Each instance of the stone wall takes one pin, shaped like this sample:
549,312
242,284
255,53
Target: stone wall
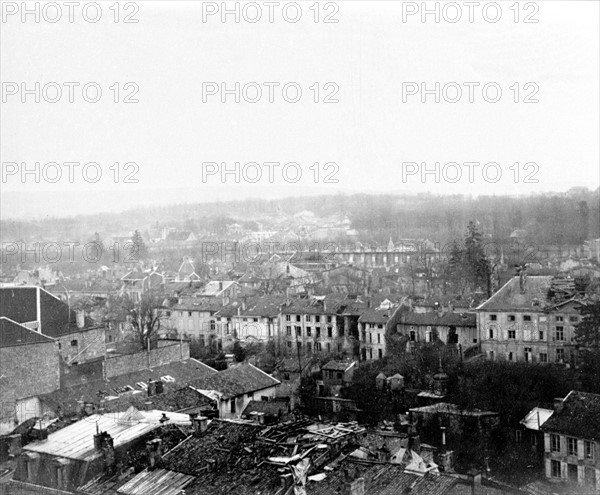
129,363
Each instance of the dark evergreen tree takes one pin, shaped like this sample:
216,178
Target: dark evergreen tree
140,251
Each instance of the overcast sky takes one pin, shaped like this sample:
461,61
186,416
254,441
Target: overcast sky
367,57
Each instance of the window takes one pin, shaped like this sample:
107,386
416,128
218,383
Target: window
491,330
510,356
317,318
554,443
329,320
370,353
297,317
308,318
318,330
299,345
491,355
308,331
329,332
527,351
512,334
588,449
555,466
541,335
255,320
380,353
74,343
328,347
232,406
213,325
379,338
573,319
288,317
413,336
189,314
543,357
370,338
286,376
288,330
559,318
559,332
493,317
340,375
299,331
511,317
526,317
571,446
308,347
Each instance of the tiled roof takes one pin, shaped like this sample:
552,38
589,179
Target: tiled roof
12,334
510,297
183,372
198,304
215,287
579,416
338,365
266,306
237,380
269,408
383,479
446,319
376,315
291,364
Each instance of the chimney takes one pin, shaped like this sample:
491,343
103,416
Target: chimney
154,449
200,425
80,318
230,360
414,443
356,487
522,279
558,404
98,441
474,478
220,285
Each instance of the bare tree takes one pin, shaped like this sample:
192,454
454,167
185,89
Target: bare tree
145,317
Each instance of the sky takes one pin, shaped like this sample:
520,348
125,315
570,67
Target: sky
359,123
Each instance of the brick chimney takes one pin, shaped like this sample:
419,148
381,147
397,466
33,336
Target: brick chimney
200,424
154,449
474,478
80,318
355,487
